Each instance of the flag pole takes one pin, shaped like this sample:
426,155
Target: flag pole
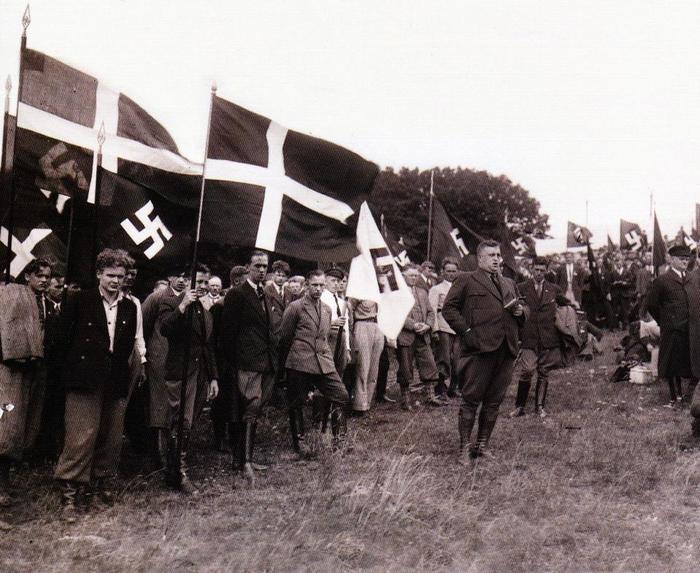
26,20
175,460
430,214
5,134
101,138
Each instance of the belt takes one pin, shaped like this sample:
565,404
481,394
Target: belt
370,319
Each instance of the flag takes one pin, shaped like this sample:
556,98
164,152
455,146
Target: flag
611,245
396,246
576,235
632,238
687,240
375,276
28,244
61,111
284,191
596,281
659,247
450,239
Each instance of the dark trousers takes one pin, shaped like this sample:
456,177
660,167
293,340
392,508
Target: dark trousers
486,379
695,410
383,372
541,361
222,406
442,350
620,307
422,354
299,384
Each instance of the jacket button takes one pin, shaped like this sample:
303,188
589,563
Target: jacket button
89,323
87,340
82,358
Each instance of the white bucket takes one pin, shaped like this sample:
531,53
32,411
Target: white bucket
641,374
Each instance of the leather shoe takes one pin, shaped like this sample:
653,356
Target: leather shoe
519,411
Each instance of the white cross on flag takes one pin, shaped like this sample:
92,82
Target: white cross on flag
27,245
280,190
60,113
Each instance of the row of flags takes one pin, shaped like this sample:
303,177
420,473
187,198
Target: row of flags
85,167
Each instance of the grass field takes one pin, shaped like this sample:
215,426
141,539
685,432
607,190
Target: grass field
599,485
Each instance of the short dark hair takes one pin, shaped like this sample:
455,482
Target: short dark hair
488,243
540,261
113,258
258,253
426,263
281,266
315,273
236,272
449,261
35,265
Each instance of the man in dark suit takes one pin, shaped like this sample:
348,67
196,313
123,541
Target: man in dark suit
249,341
485,311
308,358
413,344
674,302
644,278
622,282
99,333
539,349
571,279
427,277
275,289
188,326
157,351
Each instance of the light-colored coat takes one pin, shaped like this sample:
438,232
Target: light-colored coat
21,335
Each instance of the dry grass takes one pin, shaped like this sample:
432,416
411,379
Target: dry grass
599,485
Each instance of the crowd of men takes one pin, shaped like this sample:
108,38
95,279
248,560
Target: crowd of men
72,359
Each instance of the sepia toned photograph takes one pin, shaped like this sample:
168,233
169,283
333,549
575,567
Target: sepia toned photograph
327,286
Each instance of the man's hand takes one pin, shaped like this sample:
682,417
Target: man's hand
338,322
188,299
517,310
141,378
213,390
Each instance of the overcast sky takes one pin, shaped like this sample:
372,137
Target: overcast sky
575,101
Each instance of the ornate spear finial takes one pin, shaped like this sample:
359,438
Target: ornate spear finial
101,136
213,88
26,19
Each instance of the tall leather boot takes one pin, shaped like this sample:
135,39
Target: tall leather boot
249,441
186,485
430,397
172,471
486,425
465,425
5,496
523,391
257,467
293,430
542,384
237,432
406,400
338,425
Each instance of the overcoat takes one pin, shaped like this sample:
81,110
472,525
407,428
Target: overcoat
675,305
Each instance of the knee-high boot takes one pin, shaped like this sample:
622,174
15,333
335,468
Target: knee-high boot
338,427
465,425
523,391
487,422
237,445
249,446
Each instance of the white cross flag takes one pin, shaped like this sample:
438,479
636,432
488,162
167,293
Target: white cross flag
284,191
374,275
149,192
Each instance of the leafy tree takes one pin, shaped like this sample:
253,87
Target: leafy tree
477,198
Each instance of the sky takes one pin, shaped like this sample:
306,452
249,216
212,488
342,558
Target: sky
581,103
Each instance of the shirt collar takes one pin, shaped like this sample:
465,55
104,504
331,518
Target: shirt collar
120,296
251,283
679,273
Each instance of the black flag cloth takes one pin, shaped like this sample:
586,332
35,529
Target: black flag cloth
659,247
147,192
576,235
280,190
632,238
450,239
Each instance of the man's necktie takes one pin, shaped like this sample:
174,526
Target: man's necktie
496,282
42,308
337,304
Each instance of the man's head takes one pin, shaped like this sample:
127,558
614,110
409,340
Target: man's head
619,259
38,274
450,269
177,279
111,267
215,285
238,275
201,279
411,274
130,277
161,284
539,268
488,256
333,278
257,267
647,258
315,283
569,258
295,285
679,257
427,268
55,289
280,272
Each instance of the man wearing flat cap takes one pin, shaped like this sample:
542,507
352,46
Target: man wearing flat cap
674,302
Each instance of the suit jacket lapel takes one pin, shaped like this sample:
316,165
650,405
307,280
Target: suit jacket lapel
484,278
311,311
255,302
100,315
